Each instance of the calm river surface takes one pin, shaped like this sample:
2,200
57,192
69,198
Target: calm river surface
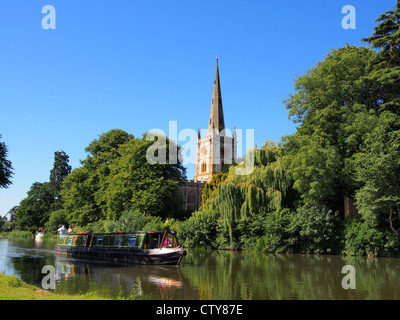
209,275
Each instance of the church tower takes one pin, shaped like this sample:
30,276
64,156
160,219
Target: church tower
217,149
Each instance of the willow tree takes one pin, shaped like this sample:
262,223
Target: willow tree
267,189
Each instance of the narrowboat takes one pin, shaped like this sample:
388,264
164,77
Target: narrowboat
139,247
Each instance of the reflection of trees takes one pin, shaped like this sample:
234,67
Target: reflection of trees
28,262
230,275
29,268
112,281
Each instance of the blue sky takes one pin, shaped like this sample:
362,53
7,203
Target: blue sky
138,64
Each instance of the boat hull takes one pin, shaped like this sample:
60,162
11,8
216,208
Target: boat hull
122,256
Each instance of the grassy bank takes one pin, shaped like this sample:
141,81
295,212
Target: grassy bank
16,234
12,288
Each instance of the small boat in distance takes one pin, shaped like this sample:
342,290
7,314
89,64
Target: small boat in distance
139,247
39,235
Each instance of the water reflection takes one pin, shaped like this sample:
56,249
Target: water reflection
154,282
229,275
209,275
24,259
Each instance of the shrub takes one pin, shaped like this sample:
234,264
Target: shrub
362,238
200,230
320,230
132,220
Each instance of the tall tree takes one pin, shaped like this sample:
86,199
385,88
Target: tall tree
84,189
378,169
116,176
6,169
150,188
377,164
61,169
12,213
386,66
34,211
333,105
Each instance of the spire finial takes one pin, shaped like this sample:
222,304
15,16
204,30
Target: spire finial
217,57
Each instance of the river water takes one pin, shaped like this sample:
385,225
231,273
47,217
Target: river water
209,275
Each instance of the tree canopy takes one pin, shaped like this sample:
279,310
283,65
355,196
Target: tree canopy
116,177
44,198
6,169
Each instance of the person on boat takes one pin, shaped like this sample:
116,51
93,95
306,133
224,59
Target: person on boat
62,230
69,229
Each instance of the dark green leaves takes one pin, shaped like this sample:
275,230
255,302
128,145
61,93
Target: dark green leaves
6,169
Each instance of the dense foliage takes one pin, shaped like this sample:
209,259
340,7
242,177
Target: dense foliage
6,169
116,176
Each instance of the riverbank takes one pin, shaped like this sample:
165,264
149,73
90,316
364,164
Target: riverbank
12,288
17,234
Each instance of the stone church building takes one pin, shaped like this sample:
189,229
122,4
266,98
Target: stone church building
214,151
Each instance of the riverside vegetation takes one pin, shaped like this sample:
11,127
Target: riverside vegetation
347,144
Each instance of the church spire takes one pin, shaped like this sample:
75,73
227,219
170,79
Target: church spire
216,114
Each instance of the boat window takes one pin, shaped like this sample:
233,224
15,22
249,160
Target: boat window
132,241
99,241
169,241
154,242
117,241
70,240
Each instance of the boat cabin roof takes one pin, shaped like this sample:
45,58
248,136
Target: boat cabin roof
115,233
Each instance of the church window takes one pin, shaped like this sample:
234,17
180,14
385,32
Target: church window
203,167
191,200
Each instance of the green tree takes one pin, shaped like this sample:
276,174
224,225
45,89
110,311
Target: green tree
136,183
57,218
116,177
378,169
6,169
34,211
240,199
83,190
61,169
377,165
210,187
332,101
13,213
386,65
78,194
